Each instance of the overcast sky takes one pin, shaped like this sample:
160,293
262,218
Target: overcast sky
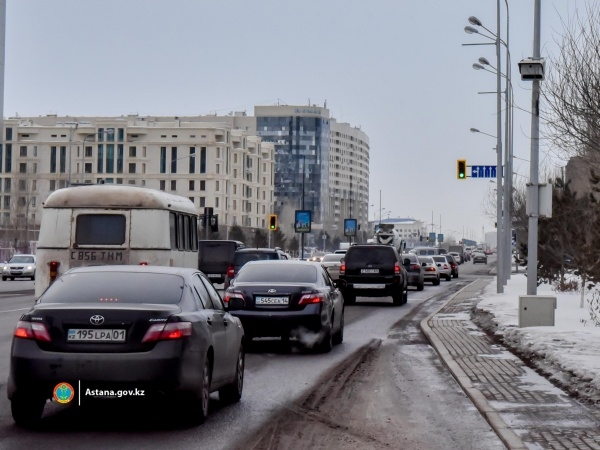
395,68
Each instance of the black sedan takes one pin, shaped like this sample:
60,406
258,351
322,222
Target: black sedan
126,332
289,299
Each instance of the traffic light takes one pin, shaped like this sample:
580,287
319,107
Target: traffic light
273,222
461,169
214,223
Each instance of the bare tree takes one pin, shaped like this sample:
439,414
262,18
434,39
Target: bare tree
571,91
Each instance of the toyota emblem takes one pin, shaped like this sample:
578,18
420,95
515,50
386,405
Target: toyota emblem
97,320
272,291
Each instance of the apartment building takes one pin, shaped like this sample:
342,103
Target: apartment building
211,163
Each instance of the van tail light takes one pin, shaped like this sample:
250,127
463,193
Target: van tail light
32,330
396,268
312,298
232,294
231,271
343,268
53,272
168,331
143,263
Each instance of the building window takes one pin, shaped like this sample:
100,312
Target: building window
192,159
33,185
217,186
162,185
88,151
216,202
33,202
22,185
132,151
120,151
22,167
100,158
9,133
52,185
52,159
202,202
173,159
173,185
202,159
202,185
23,151
235,158
163,160
192,185
121,134
7,202
218,168
110,158
131,167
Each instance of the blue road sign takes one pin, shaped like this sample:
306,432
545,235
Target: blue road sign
483,171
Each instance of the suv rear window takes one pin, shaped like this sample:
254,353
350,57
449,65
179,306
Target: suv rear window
381,255
243,258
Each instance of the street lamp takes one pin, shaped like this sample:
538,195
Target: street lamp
475,130
303,157
109,131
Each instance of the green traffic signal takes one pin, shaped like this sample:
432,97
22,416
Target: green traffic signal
461,169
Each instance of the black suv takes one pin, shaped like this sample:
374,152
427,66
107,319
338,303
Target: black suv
373,270
244,255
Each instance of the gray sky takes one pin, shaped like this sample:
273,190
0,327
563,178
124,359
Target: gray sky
395,68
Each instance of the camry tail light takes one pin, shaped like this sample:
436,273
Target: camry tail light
396,268
168,331
230,271
343,268
311,298
232,294
29,330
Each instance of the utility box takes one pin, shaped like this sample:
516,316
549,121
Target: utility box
536,311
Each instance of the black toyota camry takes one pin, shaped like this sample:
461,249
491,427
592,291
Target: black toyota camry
124,331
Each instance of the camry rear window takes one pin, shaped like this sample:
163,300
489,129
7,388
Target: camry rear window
281,272
115,288
243,258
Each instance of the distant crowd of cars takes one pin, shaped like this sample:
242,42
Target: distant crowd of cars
168,330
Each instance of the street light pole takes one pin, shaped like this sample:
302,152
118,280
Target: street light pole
303,157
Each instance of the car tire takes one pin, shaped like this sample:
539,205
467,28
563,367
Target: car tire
27,410
3,278
326,343
436,282
405,296
338,337
232,393
398,297
420,286
196,410
456,274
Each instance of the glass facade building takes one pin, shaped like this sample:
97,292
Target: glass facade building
301,136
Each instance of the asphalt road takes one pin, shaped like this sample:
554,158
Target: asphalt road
276,377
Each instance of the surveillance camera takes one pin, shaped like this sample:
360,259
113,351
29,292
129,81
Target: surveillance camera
532,69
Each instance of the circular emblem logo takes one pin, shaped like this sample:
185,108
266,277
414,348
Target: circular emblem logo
64,393
97,320
272,291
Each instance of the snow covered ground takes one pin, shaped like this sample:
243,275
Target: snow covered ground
568,353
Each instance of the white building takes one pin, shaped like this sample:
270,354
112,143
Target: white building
210,163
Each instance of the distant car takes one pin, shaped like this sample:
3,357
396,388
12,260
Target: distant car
244,255
430,270
453,265
443,266
332,263
19,266
291,299
457,257
373,270
479,257
316,257
340,251
163,330
416,274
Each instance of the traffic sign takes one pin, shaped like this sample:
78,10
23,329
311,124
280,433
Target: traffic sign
483,171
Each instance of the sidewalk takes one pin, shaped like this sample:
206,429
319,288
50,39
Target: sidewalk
524,408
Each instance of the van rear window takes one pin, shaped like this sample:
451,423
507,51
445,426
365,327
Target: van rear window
100,229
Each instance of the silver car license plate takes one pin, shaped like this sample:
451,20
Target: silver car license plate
369,286
272,300
369,270
91,335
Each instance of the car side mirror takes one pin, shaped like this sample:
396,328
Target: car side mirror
235,304
439,265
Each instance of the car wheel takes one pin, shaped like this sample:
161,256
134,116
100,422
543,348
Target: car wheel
436,282
338,337
27,410
398,297
456,274
420,286
448,277
232,393
197,407
3,278
326,343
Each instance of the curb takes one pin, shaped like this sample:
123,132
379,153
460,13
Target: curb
506,435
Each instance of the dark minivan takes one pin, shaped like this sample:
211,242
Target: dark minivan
214,257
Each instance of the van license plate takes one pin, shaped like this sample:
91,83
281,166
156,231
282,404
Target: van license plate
369,270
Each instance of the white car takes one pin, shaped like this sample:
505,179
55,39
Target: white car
430,270
19,266
443,266
332,263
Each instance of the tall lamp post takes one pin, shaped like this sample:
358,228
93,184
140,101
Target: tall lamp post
303,157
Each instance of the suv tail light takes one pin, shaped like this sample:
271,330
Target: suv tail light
343,268
231,271
32,330
168,331
396,267
311,298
